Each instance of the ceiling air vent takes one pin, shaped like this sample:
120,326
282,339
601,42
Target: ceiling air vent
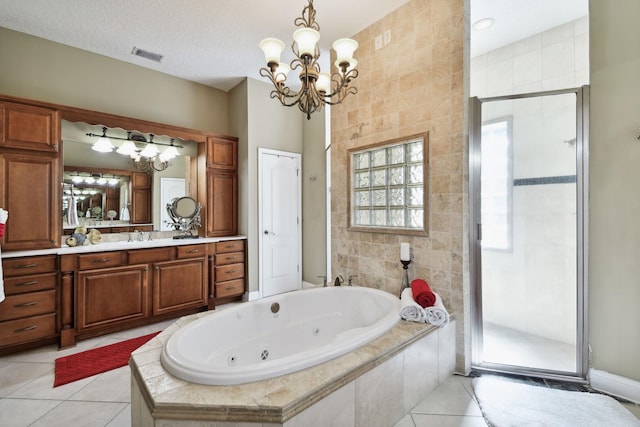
147,55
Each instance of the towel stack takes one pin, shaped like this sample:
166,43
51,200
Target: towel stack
420,304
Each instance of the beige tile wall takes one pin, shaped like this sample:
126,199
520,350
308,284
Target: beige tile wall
414,84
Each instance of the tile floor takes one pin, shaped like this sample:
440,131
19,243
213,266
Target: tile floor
27,396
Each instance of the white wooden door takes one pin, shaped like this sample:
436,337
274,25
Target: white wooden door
170,188
280,207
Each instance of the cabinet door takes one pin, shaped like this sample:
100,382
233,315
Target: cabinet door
222,203
111,295
28,127
29,190
140,198
179,284
222,153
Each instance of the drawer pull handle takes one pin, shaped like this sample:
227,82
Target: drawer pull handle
229,288
193,251
26,265
231,271
33,282
101,260
26,304
28,328
229,246
230,258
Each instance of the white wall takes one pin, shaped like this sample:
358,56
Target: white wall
614,247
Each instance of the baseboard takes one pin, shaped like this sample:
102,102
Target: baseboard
615,385
251,296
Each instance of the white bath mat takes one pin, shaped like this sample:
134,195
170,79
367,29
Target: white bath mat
505,403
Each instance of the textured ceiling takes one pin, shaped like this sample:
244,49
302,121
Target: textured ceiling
215,42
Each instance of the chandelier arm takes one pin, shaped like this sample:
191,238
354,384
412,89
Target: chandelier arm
308,18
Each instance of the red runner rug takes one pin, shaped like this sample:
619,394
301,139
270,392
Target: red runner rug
96,361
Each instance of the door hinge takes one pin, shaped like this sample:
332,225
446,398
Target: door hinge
297,172
479,231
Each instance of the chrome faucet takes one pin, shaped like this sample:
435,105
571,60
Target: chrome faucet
350,278
339,280
324,281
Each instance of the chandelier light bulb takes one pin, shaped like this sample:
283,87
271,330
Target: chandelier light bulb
272,49
344,50
306,39
324,83
281,72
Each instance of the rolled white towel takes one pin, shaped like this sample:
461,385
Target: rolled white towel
3,219
437,315
410,310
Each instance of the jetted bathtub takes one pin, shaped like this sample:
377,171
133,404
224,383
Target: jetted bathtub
278,335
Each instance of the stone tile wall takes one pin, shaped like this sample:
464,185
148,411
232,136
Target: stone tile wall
414,84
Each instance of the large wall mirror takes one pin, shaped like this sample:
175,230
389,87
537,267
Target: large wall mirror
104,184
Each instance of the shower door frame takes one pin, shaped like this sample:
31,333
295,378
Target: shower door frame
582,233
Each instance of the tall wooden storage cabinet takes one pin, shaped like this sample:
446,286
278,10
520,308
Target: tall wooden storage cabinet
30,175
218,193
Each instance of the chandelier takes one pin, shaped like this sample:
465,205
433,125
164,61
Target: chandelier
144,155
317,88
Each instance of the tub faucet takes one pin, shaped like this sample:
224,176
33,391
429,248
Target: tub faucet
339,281
351,278
324,281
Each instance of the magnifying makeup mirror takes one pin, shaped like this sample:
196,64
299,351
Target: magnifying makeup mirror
185,216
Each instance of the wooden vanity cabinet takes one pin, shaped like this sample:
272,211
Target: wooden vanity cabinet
123,289
28,314
111,296
229,270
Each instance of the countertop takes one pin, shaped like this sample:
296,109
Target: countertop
117,246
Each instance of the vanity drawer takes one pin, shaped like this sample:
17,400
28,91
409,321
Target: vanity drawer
229,272
143,256
230,258
29,304
230,246
29,329
28,265
191,251
100,260
230,288
34,282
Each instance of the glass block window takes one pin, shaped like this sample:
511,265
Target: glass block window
388,182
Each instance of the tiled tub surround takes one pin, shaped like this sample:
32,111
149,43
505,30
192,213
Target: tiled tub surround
375,385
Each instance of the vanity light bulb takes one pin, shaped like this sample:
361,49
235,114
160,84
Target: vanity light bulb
113,181
101,181
89,180
77,179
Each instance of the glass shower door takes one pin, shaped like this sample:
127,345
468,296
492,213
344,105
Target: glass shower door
527,181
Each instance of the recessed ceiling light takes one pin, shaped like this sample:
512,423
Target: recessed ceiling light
483,24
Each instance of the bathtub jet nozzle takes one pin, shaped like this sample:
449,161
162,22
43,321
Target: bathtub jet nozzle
275,307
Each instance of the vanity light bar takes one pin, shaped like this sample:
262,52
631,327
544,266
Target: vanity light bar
128,138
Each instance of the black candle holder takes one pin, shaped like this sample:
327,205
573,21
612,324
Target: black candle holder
405,275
